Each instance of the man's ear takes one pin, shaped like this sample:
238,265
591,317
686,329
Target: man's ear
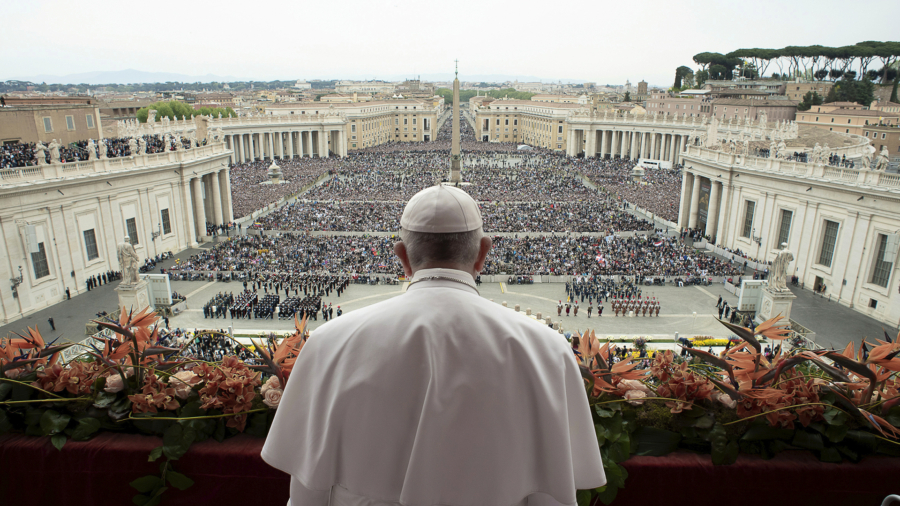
400,251
483,249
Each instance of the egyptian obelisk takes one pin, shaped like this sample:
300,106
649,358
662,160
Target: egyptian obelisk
454,146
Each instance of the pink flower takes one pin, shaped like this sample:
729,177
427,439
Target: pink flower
633,397
270,383
272,397
182,382
727,401
634,385
13,373
114,383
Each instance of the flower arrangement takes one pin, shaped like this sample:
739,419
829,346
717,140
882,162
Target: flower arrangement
129,383
839,405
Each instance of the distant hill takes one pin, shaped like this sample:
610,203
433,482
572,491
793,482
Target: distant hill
125,77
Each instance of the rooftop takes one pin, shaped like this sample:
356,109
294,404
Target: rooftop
755,102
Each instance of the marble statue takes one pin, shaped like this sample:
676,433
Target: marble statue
142,146
128,262
54,151
745,148
763,120
193,139
103,149
40,154
867,157
780,269
712,132
816,155
132,146
151,116
773,149
782,149
220,136
881,163
220,115
178,145
91,149
704,121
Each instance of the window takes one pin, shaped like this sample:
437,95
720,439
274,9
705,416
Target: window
881,274
70,122
560,128
749,209
166,225
90,244
353,129
48,125
90,120
131,229
828,240
784,232
39,262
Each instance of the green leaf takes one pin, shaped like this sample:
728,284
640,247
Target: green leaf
830,454
764,432
155,454
866,439
808,440
177,441
619,451
834,416
145,484
58,440
5,389
193,409
104,399
583,497
603,413
219,434
140,500
179,480
53,422
86,427
836,433
602,433
705,421
5,424
654,442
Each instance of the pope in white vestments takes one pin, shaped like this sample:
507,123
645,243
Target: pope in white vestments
436,396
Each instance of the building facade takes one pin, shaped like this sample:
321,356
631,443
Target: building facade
851,119
838,223
66,123
61,222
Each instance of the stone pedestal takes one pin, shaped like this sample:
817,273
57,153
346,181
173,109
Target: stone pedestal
775,303
135,297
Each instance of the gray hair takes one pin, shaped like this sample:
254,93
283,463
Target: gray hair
423,248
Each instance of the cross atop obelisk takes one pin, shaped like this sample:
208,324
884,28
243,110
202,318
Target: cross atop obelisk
454,146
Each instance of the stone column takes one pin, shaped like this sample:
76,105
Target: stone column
603,143
188,227
225,191
323,144
199,211
695,202
684,210
652,145
216,198
634,145
712,214
250,145
724,207
291,145
671,148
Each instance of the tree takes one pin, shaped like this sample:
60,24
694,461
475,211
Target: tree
627,97
810,99
701,77
680,73
719,72
176,110
821,74
894,91
849,89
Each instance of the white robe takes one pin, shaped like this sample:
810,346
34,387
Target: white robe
435,397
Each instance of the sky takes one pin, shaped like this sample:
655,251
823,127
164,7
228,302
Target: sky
599,41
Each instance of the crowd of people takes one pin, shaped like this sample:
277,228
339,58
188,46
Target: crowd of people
297,253
22,154
597,216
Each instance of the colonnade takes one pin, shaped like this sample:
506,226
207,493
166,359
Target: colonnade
210,195
691,204
286,144
632,144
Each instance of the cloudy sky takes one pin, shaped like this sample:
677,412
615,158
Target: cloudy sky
600,41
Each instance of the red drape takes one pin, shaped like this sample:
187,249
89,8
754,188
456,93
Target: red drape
33,473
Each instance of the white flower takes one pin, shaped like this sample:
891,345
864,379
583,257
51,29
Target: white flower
270,383
272,397
726,400
182,382
635,385
633,396
114,383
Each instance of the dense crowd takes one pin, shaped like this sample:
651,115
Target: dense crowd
595,216
23,154
294,254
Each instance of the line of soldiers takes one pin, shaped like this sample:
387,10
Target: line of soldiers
315,284
636,304
217,307
266,307
243,305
